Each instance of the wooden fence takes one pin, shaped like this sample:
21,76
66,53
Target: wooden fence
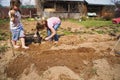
26,12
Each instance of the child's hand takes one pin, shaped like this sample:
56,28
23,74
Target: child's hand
46,38
35,35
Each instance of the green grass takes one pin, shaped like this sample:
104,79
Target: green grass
3,35
4,29
3,48
99,26
65,32
94,23
100,32
30,19
4,21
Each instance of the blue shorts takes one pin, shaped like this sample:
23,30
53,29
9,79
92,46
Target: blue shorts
17,33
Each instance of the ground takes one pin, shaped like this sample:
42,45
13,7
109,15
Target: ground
78,56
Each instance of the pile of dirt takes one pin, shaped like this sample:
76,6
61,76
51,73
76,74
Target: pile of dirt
75,57
49,58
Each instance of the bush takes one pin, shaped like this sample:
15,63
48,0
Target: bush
107,18
84,18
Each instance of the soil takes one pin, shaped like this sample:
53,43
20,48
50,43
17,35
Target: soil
75,57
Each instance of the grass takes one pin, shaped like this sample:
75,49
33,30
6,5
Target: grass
30,19
100,32
94,23
4,21
3,35
99,26
3,48
4,29
66,32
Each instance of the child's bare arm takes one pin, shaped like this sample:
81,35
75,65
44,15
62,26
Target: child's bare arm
12,15
53,33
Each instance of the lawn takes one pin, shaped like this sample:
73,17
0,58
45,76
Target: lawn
94,23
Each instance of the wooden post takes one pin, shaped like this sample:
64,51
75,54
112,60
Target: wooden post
68,9
30,14
55,6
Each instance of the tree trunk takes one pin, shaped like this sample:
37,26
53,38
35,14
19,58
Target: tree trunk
39,6
82,9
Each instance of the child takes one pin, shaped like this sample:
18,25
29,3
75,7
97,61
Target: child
52,24
38,28
37,38
16,26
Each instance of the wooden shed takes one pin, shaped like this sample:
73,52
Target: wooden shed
63,8
77,8
102,8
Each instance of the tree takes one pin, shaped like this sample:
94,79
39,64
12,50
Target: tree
117,5
39,6
83,10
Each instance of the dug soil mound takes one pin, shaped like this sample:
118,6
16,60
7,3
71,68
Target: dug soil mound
43,60
76,57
